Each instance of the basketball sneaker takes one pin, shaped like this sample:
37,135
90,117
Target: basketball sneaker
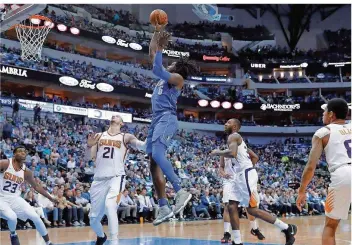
226,238
182,198
233,243
290,233
101,240
258,234
14,240
165,213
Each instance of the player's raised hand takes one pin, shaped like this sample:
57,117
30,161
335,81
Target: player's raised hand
160,27
163,40
92,139
301,200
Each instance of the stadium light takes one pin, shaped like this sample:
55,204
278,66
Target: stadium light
74,30
226,105
215,104
238,105
203,103
61,27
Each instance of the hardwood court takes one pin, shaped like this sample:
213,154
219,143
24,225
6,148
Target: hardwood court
190,233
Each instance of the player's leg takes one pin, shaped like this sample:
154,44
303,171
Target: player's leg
10,216
112,201
164,212
235,222
330,231
248,180
159,155
25,211
98,193
227,224
337,203
254,227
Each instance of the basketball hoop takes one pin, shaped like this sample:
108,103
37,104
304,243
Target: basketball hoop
32,33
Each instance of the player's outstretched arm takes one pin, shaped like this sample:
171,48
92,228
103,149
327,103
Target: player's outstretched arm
308,173
28,176
153,45
158,68
233,142
135,143
4,164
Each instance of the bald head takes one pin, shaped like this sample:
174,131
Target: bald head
232,125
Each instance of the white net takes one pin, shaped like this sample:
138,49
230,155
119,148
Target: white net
32,34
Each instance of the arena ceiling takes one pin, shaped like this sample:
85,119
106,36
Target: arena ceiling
299,16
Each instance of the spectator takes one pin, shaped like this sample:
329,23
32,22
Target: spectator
37,110
15,109
126,206
145,208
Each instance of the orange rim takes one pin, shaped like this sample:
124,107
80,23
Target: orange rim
40,17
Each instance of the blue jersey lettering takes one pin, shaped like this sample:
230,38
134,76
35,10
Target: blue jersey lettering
164,98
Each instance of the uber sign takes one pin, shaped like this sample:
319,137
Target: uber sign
262,66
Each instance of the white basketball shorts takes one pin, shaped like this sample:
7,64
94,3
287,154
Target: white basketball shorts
244,188
226,189
16,204
102,190
338,200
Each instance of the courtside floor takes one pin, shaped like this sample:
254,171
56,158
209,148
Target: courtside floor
188,233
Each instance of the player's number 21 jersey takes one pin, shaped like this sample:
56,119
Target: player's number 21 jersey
110,156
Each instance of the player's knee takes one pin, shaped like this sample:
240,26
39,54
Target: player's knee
93,220
34,217
11,216
331,223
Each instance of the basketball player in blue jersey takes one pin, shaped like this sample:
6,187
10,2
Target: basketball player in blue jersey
164,123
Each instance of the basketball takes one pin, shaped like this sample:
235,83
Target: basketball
158,16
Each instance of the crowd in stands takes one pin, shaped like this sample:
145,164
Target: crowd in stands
339,41
84,70
278,54
142,39
56,156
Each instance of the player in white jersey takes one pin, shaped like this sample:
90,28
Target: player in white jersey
227,173
109,150
13,173
244,189
335,140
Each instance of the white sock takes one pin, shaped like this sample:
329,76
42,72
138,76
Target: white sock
13,233
281,225
227,226
253,224
237,236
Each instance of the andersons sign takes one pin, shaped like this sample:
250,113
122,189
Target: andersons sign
70,81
